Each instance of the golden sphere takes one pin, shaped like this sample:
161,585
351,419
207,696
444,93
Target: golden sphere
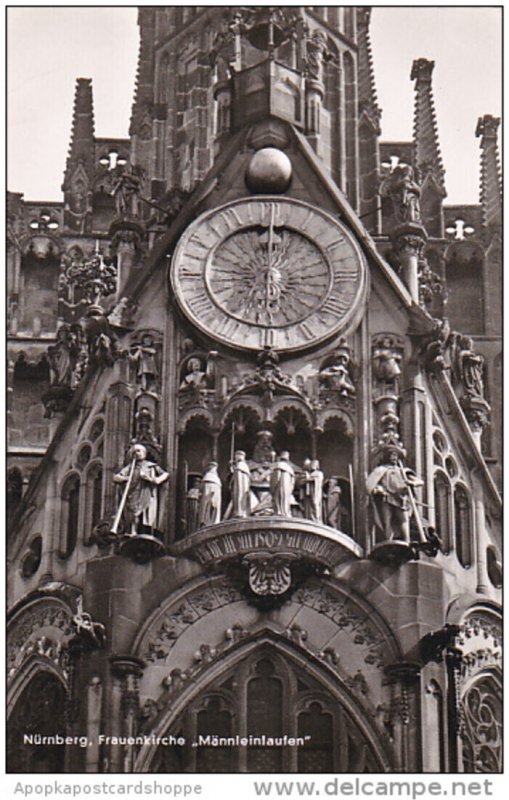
269,171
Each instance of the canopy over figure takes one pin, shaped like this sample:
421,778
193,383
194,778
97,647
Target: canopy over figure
210,501
282,482
140,500
389,486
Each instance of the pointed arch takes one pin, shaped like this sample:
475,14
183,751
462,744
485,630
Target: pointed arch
271,668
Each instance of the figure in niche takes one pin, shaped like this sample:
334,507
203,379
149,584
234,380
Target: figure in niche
332,504
316,478
260,467
386,362
240,486
144,356
193,506
61,356
127,191
195,378
263,459
210,501
282,484
405,193
436,345
389,486
139,502
469,366
335,375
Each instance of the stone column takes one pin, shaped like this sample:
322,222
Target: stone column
404,677
51,541
125,244
315,88
481,540
94,693
453,660
408,241
124,708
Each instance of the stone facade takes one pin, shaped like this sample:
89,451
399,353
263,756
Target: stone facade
254,387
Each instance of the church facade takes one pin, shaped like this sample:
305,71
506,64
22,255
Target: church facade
255,422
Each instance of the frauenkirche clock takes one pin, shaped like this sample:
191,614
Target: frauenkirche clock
265,271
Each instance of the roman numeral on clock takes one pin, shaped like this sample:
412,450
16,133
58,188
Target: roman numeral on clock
335,306
200,303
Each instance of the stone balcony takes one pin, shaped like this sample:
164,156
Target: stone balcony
273,551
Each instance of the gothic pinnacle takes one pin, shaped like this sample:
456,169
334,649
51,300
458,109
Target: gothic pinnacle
490,192
428,159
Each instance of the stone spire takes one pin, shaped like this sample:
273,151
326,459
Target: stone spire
82,134
428,160
369,127
79,170
144,88
490,195
366,76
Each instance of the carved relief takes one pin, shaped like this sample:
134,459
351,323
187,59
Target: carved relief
44,631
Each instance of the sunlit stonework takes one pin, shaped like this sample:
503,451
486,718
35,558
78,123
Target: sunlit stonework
254,401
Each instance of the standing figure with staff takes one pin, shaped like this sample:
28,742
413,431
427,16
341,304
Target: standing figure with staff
390,489
139,502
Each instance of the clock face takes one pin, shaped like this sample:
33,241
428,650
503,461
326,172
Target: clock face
268,272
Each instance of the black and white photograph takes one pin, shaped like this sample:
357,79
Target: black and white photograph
254,393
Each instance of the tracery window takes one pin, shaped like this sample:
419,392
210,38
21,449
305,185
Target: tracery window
70,516
266,696
93,499
482,726
443,510
39,710
463,526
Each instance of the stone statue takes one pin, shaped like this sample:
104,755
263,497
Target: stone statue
195,377
333,508
210,501
404,192
336,375
60,357
260,467
127,191
282,482
144,356
240,486
316,491
470,367
139,500
389,486
303,483
193,506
